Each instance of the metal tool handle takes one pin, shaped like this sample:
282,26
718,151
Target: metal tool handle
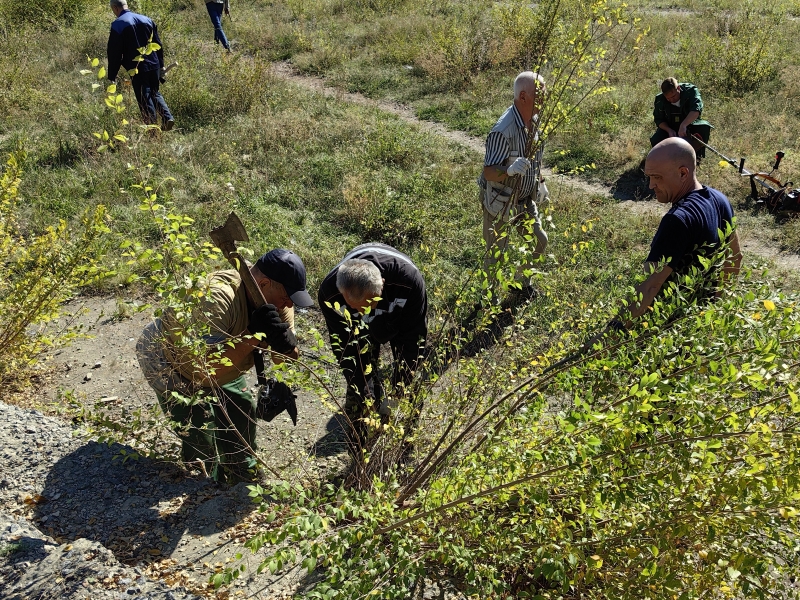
778,158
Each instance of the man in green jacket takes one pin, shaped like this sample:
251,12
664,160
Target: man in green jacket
677,113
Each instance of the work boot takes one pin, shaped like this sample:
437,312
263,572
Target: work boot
528,292
168,125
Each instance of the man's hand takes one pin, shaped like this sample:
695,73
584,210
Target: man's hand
278,334
682,131
519,167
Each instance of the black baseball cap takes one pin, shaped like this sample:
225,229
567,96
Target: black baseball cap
285,267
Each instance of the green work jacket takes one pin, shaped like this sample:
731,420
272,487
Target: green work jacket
665,112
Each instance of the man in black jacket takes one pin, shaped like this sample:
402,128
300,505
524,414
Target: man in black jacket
130,32
374,296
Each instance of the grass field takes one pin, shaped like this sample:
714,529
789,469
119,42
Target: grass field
341,174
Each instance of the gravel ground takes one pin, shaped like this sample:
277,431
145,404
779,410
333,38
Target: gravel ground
78,520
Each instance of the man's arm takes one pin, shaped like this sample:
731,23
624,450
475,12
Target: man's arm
287,316
647,290
690,118
734,263
494,166
693,102
160,51
114,54
350,350
660,115
663,125
496,173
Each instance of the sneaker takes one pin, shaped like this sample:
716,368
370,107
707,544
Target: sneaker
169,124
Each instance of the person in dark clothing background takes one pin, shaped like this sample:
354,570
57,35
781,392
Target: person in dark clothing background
215,10
398,317
129,32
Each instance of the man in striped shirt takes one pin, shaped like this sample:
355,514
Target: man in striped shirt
511,182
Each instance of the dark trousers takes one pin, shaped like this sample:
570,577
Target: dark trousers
408,351
151,103
219,432
703,130
215,12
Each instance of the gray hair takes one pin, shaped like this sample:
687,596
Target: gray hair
118,3
359,277
530,82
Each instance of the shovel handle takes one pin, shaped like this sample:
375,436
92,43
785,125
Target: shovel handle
778,158
253,291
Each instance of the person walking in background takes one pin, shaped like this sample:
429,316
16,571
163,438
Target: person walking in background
215,9
503,198
129,32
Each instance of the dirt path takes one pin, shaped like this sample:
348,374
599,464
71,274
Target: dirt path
751,243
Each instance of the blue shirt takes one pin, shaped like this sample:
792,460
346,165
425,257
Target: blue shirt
129,32
691,228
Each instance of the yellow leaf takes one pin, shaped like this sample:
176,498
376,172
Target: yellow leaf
95,62
111,89
154,551
769,305
101,73
723,163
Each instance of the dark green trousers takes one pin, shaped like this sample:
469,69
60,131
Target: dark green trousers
218,428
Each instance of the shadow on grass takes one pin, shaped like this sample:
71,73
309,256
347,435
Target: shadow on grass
632,185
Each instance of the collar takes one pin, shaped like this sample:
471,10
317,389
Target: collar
686,195
518,117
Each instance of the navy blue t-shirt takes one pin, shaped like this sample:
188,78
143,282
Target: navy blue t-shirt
692,223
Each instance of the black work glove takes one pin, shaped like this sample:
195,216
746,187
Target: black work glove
273,399
279,336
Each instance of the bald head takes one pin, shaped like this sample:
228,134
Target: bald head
676,151
671,169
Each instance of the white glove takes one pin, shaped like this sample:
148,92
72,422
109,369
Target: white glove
519,167
542,195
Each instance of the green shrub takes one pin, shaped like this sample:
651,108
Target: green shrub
42,13
40,271
662,462
741,55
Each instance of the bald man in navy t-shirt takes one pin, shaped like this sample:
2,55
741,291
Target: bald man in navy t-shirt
690,228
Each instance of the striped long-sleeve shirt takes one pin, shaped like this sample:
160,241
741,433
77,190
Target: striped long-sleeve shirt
507,141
